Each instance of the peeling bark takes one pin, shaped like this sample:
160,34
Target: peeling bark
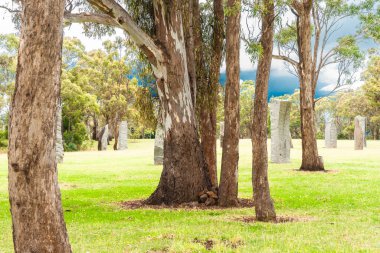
34,194
228,190
263,202
185,172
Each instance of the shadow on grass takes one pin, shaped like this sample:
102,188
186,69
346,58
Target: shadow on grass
279,219
140,204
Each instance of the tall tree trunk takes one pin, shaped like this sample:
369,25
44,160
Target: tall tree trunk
185,172
116,135
228,190
35,199
95,129
208,84
263,203
311,161
187,18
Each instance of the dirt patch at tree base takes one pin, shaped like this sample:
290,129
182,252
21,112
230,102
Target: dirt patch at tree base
317,171
140,204
279,219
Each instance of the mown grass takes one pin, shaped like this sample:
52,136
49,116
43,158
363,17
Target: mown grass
342,208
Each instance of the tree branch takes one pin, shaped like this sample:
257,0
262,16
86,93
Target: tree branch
285,58
9,9
120,16
87,17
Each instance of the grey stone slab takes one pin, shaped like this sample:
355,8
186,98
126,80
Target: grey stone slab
159,145
280,139
359,132
59,151
123,136
103,138
331,134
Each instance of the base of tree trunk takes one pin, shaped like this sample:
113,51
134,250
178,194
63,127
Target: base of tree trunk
266,218
185,173
318,166
314,168
229,203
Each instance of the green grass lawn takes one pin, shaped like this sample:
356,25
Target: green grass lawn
342,208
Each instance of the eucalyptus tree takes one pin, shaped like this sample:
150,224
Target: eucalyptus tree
370,20
161,38
208,25
228,190
265,12
34,195
304,46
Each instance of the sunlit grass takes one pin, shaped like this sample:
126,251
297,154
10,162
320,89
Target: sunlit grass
342,207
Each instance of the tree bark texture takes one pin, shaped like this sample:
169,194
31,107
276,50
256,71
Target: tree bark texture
263,202
228,190
187,18
208,83
35,199
185,172
311,161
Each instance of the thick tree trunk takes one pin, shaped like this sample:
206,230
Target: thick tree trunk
185,172
228,190
34,194
208,84
311,161
263,202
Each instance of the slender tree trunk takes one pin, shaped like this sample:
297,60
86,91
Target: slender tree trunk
228,190
187,17
208,84
185,172
34,194
95,129
263,202
116,135
311,161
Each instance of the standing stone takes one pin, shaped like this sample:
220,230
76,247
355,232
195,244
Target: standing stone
290,140
103,138
59,152
330,133
221,134
280,141
159,145
359,133
122,142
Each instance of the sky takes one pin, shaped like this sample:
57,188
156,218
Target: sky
281,81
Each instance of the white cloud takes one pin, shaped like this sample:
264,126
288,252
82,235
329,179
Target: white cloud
6,25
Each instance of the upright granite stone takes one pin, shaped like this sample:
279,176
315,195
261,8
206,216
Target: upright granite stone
103,138
159,145
221,133
331,134
359,133
59,141
122,142
290,140
280,141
